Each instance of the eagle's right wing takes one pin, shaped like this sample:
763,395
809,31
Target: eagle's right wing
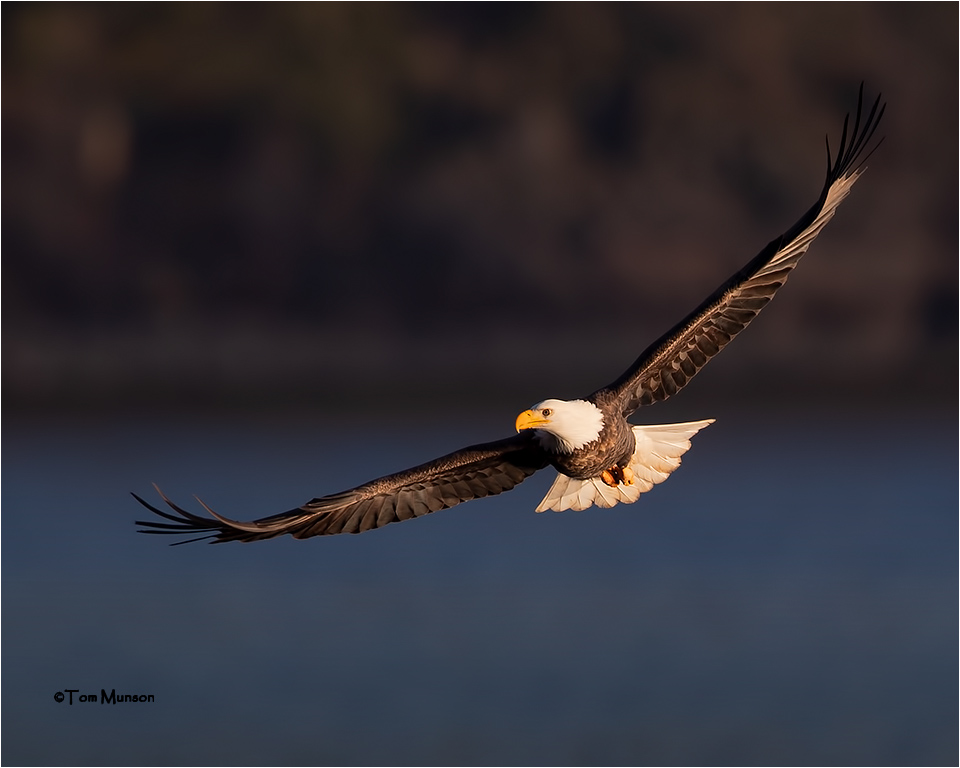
470,473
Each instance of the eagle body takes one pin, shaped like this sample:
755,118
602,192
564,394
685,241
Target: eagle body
613,448
601,458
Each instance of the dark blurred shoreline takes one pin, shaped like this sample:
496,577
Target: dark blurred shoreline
277,374
325,205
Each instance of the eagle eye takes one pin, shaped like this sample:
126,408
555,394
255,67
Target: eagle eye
546,412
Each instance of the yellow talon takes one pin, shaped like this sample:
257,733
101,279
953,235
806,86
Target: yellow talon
617,475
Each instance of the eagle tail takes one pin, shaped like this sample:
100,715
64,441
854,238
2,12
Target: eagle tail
658,452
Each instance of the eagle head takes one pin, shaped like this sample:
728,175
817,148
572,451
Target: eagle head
563,426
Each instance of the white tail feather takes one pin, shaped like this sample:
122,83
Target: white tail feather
658,452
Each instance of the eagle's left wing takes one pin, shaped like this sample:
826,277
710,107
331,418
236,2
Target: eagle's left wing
672,360
470,473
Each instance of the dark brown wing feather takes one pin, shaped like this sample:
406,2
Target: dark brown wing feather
672,360
471,473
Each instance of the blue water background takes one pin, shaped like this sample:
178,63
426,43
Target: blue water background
789,596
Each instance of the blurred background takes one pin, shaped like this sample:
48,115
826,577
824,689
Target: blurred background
221,204
264,252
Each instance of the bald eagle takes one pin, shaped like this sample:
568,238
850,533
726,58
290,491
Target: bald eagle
601,458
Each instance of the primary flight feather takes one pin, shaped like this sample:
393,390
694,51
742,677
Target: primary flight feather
601,458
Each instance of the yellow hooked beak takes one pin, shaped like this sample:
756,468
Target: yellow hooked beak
531,420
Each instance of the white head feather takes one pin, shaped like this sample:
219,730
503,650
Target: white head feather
567,424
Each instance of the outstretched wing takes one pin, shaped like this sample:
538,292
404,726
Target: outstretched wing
471,473
672,360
